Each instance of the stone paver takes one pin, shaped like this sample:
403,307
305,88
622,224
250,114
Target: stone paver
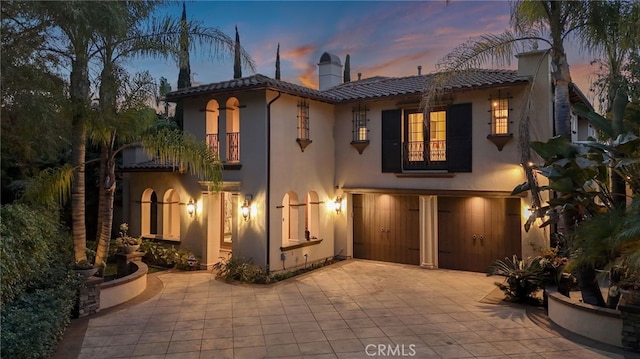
354,309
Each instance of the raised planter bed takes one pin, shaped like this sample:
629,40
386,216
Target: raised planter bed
120,290
597,323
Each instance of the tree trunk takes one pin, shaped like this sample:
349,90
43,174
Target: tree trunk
108,190
589,287
79,95
618,184
78,225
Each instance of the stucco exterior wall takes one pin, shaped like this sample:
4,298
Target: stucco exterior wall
186,187
301,172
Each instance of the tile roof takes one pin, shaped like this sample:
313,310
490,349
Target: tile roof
369,88
257,81
151,165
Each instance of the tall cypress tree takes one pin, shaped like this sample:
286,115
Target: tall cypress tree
347,69
278,63
184,76
237,68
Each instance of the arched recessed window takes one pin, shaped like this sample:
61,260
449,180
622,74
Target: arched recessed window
233,129
171,214
149,212
213,113
289,217
312,215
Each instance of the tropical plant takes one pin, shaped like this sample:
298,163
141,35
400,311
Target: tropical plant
612,34
524,277
168,256
78,34
580,173
240,269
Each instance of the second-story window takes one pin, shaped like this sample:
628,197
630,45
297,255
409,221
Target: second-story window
360,132
303,120
500,115
437,136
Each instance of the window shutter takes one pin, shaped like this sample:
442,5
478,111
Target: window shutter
459,129
391,141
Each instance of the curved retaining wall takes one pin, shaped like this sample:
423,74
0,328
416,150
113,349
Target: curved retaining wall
123,289
597,323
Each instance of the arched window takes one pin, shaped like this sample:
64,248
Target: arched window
171,214
233,129
149,212
289,217
213,113
312,215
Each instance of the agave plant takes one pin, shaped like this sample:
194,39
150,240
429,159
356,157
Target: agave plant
524,277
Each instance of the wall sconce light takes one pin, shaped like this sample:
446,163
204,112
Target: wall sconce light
246,207
191,207
337,205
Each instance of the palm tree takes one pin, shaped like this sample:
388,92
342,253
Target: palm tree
116,45
115,31
612,33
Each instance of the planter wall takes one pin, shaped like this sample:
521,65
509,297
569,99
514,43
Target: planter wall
597,323
123,289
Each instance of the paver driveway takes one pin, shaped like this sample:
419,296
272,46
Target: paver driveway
354,309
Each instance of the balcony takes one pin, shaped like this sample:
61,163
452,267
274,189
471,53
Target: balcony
233,146
213,143
415,156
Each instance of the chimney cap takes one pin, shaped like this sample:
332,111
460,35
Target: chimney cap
329,58
419,69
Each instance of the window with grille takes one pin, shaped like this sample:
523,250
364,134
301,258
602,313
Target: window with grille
303,120
360,132
500,115
438,136
415,137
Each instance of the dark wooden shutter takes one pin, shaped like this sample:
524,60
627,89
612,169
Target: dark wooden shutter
459,128
391,141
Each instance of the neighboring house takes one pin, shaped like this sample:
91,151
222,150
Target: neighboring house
352,169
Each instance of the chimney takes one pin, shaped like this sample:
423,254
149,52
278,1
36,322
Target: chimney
419,70
329,71
359,76
532,62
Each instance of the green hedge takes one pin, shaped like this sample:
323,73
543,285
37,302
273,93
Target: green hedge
38,288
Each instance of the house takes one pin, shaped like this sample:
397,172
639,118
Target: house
352,170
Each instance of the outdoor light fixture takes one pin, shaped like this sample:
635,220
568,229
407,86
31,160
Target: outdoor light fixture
191,207
246,207
337,205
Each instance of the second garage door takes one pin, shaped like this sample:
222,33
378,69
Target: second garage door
473,232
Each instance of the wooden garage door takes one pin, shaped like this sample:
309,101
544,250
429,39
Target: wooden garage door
386,228
474,232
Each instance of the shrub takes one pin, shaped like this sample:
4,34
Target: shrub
33,324
524,277
34,250
163,255
38,288
242,270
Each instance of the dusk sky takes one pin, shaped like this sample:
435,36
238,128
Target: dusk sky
383,38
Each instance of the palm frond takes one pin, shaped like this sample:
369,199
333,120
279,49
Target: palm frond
181,150
498,50
52,185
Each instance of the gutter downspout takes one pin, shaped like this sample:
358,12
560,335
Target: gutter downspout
268,195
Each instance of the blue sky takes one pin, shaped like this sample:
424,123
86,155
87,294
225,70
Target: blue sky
383,38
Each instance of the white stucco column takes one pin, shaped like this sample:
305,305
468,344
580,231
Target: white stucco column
429,232
213,218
